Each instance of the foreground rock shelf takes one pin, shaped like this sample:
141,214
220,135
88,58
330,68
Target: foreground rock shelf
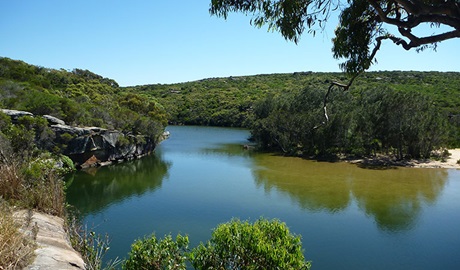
53,246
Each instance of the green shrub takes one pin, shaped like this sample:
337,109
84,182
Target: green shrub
242,245
151,253
66,137
445,155
43,187
123,140
5,121
67,164
38,169
22,140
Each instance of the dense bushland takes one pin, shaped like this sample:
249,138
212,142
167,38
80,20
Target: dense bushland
83,98
231,101
199,102
405,124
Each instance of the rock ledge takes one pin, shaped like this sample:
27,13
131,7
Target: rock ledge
53,246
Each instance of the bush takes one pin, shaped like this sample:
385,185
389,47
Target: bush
92,247
34,185
241,245
43,187
151,253
5,121
234,245
67,164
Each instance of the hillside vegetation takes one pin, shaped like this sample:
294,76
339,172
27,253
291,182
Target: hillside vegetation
388,108
79,97
30,151
403,113
228,101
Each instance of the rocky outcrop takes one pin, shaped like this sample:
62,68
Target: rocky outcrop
15,114
93,146
53,120
53,246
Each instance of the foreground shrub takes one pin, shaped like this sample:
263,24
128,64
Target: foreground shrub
43,187
242,245
92,247
151,253
32,184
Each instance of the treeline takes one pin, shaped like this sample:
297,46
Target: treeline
231,101
406,124
79,97
375,101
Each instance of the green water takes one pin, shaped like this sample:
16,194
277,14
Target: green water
349,217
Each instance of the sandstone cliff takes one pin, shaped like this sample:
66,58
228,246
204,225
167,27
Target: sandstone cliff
92,146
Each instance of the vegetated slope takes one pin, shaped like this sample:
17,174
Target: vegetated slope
228,101
79,97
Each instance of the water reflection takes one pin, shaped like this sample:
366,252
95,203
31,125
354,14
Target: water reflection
230,150
98,188
394,198
310,184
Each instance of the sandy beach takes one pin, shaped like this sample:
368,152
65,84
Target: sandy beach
450,163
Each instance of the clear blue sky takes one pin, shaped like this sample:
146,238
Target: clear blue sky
151,41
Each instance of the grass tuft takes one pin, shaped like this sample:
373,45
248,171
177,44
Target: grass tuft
16,250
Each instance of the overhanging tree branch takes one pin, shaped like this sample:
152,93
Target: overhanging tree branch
347,86
416,41
361,23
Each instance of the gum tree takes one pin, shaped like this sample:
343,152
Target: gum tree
363,25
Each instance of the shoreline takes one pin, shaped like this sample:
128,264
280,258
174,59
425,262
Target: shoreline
449,163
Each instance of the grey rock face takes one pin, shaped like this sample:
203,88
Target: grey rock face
105,145
14,114
53,120
101,146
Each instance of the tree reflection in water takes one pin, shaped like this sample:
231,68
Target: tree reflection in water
99,188
392,197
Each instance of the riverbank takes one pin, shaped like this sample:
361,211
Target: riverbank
448,163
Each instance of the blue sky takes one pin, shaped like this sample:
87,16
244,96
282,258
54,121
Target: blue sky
150,41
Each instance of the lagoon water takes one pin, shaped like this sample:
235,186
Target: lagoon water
349,217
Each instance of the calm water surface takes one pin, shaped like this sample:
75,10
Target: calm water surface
349,217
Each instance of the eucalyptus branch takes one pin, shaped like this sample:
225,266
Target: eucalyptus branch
426,14
417,41
347,86
344,87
